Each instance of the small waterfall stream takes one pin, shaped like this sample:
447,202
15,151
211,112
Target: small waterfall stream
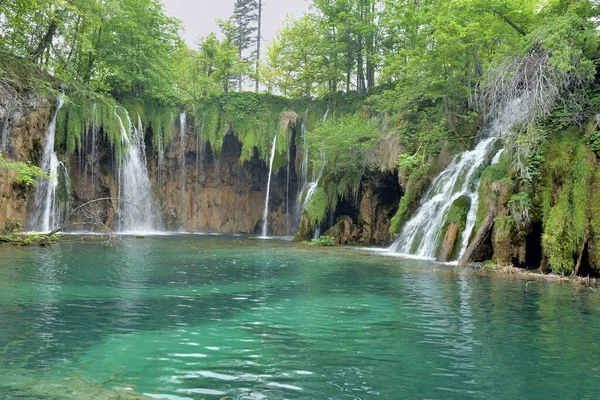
48,212
136,205
182,132
266,212
420,235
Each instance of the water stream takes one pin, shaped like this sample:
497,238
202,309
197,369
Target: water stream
136,204
266,212
182,132
420,236
49,212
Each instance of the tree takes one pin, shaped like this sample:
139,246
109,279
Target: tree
258,44
245,18
293,57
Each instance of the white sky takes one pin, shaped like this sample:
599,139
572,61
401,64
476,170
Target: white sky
199,16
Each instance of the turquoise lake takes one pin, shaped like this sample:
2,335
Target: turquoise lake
213,317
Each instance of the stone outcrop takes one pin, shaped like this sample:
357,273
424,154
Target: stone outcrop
372,209
342,230
24,126
448,242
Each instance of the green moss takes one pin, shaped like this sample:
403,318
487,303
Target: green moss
317,207
414,189
594,213
567,192
555,242
457,214
503,228
487,197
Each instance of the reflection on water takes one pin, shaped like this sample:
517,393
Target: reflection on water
189,317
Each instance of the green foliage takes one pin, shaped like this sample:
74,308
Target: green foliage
409,164
255,119
28,239
520,205
323,241
13,234
342,142
26,172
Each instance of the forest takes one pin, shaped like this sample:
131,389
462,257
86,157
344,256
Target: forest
431,73
386,199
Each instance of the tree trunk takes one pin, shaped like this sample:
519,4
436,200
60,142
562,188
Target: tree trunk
45,42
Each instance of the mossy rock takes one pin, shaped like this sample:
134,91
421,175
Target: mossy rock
449,242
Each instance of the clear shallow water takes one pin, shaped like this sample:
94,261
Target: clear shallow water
208,317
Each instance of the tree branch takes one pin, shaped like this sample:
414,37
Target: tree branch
509,21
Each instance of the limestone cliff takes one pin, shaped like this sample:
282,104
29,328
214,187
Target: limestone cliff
22,125
201,193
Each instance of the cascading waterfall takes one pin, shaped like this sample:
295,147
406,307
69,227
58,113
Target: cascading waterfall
311,188
266,212
287,183
136,204
48,210
182,132
308,188
420,235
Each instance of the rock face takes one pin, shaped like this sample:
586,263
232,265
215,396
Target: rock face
23,127
213,193
372,209
218,194
342,230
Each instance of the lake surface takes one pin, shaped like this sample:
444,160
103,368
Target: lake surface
191,317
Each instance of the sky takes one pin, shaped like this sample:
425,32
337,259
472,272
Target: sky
199,16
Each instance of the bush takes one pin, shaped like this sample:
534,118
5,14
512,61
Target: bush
324,241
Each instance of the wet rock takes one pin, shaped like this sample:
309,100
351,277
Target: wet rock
342,230
448,242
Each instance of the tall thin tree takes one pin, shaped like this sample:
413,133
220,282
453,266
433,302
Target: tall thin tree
258,38
245,18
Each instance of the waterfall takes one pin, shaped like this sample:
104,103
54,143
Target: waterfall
287,183
136,204
182,132
266,212
47,213
307,188
420,235
312,187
